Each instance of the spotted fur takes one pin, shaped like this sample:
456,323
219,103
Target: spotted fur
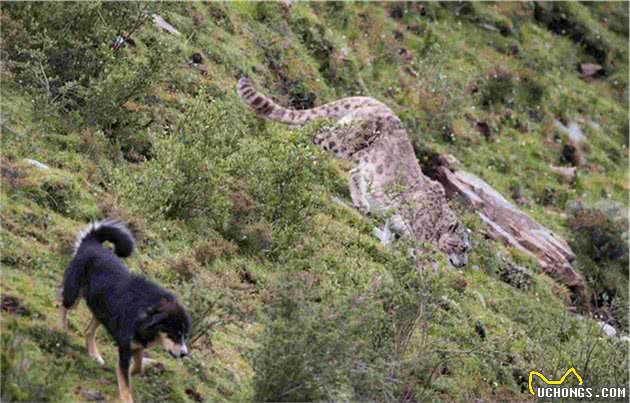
386,178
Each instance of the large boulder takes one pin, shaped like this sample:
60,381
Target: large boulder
513,227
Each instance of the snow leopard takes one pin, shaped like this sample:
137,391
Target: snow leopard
386,178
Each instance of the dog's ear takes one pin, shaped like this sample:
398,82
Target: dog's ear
152,317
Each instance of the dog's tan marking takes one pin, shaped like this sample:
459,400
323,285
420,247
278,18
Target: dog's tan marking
137,362
63,317
124,389
166,342
90,341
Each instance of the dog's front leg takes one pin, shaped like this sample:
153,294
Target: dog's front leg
122,372
137,362
63,317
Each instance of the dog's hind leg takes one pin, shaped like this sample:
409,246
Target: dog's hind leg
70,292
63,317
90,341
122,373
63,314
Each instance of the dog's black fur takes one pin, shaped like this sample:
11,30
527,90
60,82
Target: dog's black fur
135,311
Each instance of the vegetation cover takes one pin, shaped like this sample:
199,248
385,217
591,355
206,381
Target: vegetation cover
292,297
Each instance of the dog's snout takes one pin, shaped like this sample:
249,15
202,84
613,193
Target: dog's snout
178,351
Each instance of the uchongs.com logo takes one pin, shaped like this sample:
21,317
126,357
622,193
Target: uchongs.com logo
553,389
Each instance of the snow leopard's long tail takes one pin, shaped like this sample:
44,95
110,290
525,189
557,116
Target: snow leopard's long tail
267,108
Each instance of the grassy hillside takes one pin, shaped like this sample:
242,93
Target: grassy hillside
292,298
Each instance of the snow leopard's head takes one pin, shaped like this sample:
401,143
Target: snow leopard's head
455,242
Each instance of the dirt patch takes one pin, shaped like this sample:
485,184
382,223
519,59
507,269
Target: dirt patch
14,306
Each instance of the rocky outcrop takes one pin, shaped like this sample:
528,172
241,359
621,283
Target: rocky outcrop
513,227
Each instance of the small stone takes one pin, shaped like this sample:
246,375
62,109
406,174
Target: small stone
161,23
92,395
568,173
451,161
572,130
607,329
36,164
489,27
588,70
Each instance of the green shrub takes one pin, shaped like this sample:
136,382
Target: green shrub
188,166
572,20
283,175
600,238
498,88
208,251
72,69
326,341
317,346
22,379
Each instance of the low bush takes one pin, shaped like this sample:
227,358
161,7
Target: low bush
21,378
73,70
324,341
515,90
600,239
187,167
317,346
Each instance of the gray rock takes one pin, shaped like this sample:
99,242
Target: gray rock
36,164
161,23
607,329
513,227
568,173
489,27
588,70
594,125
92,395
572,130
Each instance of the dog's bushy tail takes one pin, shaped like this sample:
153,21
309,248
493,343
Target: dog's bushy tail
107,230
113,231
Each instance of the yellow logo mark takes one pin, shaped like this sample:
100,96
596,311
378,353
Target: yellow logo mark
548,382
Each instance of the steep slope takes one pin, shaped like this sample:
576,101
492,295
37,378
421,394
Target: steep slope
292,298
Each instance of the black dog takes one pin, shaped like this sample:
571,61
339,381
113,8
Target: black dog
136,312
